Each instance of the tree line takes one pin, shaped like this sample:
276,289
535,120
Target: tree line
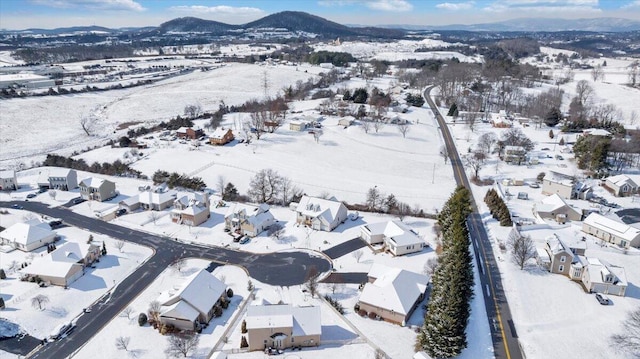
117,168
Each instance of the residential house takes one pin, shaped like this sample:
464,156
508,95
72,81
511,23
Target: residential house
155,200
562,255
611,231
97,189
602,277
28,236
392,293
130,204
64,265
555,208
500,120
515,154
191,208
320,214
192,305
596,132
621,185
297,125
582,191
221,136
189,133
8,180
397,237
282,326
247,219
562,188
346,121
63,179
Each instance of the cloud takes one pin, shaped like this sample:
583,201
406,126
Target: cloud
121,5
545,6
380,5
222,9
631,5
456,6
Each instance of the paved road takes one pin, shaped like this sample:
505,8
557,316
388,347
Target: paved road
282,268
345,248
347,277
505,342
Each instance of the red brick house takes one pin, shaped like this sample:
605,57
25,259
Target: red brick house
221,136
189,133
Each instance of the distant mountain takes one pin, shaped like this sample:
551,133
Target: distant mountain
602,24
194,24
302,21
66,30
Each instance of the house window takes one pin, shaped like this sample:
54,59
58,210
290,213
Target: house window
292,339
561,269
563,259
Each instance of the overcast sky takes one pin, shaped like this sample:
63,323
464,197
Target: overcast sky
22,14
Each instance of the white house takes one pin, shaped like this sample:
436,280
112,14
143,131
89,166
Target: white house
248,219
611,231
8,180
397,237
621,185
392,293
320,214
193,303
65,264
283,326
602,277
554,207
562,188
156,201
27,236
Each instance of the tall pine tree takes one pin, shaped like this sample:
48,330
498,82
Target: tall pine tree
443,333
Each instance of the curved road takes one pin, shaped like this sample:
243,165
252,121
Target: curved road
280,268
503,332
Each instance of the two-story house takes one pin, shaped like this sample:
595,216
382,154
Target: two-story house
97,189
320,214
8,180
247,219
63,179
191,208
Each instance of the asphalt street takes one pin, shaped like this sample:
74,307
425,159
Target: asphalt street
345,248
281,268
505,342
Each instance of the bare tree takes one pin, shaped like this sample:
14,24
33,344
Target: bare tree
192,111
153,216
39,301
444,152
357,255
265,186
403,128
633,73
221,184
629,341
53,193
584,92
430,266
276,231
178,265
317,133
87,123
486,141
180,345
122,343
154,310
366,125
246,132
374,197
119,244
521,248
378,125
335,286
127,312
288,190
633,117
473,162
312,281
597,74
402,210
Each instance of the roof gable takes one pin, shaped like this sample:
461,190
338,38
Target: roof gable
394,289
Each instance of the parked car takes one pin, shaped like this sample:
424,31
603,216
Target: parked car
78,200
31,195
16,206
120,212
244,240
603,299
273,351
534,185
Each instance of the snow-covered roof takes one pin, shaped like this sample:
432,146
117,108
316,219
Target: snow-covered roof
319,207
599,269
150,197
131,200
396,230
596,132
553,203
72,252
394,289
253,214
303,320
620,180
59,172
557,245
27,233
180,310
200,290
614,227
49,267
93,182
219,133
7,174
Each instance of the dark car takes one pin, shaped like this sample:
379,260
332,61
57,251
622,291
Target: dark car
78,200
603,299
31,195
16,206
120,212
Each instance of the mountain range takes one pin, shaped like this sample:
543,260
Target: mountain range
296,21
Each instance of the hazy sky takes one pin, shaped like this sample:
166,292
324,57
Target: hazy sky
21,14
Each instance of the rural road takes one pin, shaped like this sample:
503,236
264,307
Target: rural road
503,333
278,268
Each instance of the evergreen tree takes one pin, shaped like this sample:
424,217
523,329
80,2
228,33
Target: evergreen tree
551,135
230,192
453,110
104,249
443,334
553,117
